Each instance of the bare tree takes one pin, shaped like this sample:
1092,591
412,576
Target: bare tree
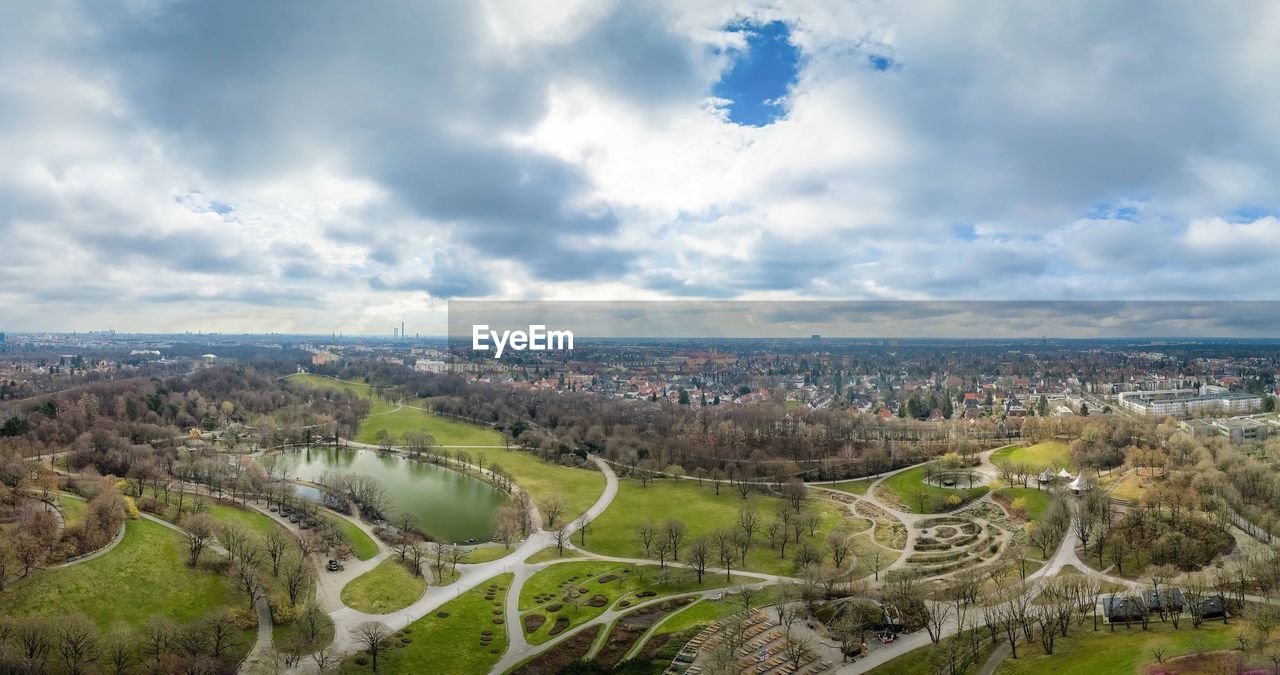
325,660
222,632
552,509
455,557
726,551
662,549
309,543
748,523
561,538
247,579
77,640
935,617
372,635
839,547
34,638
158,636
674,531
120,649
796,651
525,515
407,523
645,532
296,579
699,556
795,492
276,545
199,531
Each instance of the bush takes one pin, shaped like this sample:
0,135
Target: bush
242,618
152,504
282,612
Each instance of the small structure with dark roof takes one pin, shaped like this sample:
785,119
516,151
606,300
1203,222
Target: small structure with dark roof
1169,600
1123,608
1211,607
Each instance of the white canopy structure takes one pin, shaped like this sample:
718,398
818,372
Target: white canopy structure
1062,473
1079,484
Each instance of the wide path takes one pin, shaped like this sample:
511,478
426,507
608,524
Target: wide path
346,619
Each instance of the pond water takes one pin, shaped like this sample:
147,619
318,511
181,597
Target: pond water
450,506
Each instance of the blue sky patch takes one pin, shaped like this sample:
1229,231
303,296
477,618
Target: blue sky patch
761,75
880,62
1113,212
1250,213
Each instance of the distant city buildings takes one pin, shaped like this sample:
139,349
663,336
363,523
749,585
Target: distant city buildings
430,366
1190,402
323,358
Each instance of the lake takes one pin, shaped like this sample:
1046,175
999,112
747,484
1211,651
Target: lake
450,506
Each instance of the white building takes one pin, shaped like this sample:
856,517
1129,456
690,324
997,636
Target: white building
1185,403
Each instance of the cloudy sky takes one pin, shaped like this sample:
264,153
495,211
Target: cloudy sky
317,166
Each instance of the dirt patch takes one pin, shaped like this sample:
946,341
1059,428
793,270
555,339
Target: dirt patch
598,600
607,578
555,608
630,628
533,622
655,645
1211,662
560,625
559,657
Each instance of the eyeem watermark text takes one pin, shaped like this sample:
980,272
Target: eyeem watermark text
537,339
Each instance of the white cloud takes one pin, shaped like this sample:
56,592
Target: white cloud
186,165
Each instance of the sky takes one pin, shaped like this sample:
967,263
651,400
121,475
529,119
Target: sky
342,167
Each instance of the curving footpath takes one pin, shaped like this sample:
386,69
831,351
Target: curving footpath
346,619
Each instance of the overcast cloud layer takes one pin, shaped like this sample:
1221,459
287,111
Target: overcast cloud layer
317,166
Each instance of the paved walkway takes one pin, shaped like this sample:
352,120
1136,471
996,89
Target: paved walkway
346,619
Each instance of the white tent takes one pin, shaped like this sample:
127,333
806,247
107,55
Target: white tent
1079,484
1062,473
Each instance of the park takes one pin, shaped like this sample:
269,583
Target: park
424,541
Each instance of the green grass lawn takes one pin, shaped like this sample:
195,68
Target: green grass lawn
1116,653
909,484
385,588
854,487
362,545
446,431
1036,500
703,513
707,611
486,554
451,643
358,388
577,488
253,521
922,660
225,513
548,588
699,614
550,553
145,575
863,556
73,509
1051,454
